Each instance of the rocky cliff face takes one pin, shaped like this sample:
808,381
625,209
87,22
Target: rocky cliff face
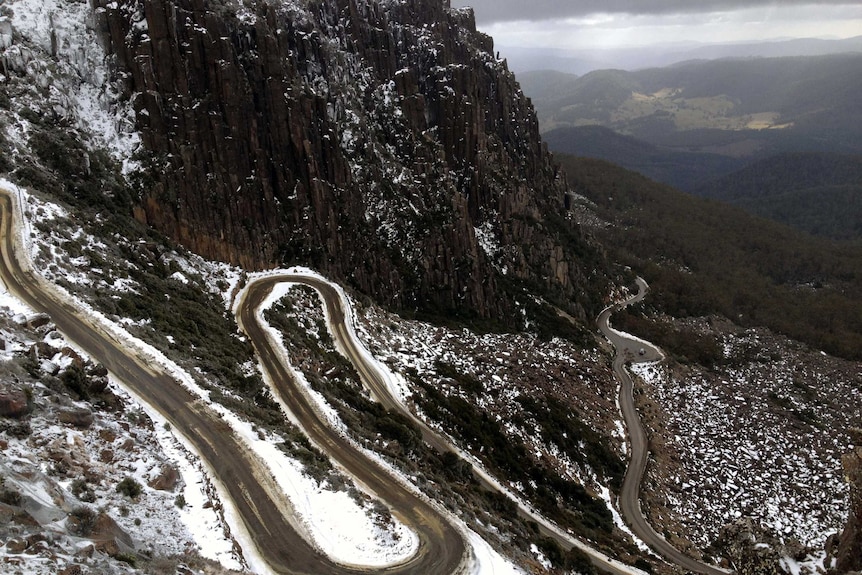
380,141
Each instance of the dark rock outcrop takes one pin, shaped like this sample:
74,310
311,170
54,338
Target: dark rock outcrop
379,141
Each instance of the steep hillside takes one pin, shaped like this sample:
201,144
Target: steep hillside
352,141
382,143
741,415
379,141
817,193
702,257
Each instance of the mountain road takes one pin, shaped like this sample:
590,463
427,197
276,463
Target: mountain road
629,349
244,479
339,316
266,516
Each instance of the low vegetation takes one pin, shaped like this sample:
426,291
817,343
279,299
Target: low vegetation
129,487
561,499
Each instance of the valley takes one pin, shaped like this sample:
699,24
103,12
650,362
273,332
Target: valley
723,129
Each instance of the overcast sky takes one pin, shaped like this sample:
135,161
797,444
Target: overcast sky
579,24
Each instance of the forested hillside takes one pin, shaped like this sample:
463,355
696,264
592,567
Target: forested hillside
703,257
817,193
682,169
733,107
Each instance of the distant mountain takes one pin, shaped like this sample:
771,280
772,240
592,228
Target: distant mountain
736,107
583,61
552,81
773,49
817,193
681,169
525,60
582,100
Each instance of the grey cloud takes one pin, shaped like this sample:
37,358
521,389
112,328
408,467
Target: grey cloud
489,11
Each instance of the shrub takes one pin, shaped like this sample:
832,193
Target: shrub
75,379
127,558
579,562
82,521
129,487
82,491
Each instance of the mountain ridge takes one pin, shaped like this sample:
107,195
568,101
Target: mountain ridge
582,61
682,169
735,107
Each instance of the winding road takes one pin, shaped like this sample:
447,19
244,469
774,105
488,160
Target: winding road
630,349
337,311
242,477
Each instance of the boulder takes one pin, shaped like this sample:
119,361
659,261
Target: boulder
86,551
750,548
110,538
167,479
76,416
37,321
16,546
14,403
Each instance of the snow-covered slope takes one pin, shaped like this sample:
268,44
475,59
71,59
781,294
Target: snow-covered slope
347,525
66,133
55,66
63,457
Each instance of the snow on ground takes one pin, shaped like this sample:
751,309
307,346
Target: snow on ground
605,494
351,535
78,76
395,382
198,513
346,530
47,463
486,560
506,367
760,435
13,304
